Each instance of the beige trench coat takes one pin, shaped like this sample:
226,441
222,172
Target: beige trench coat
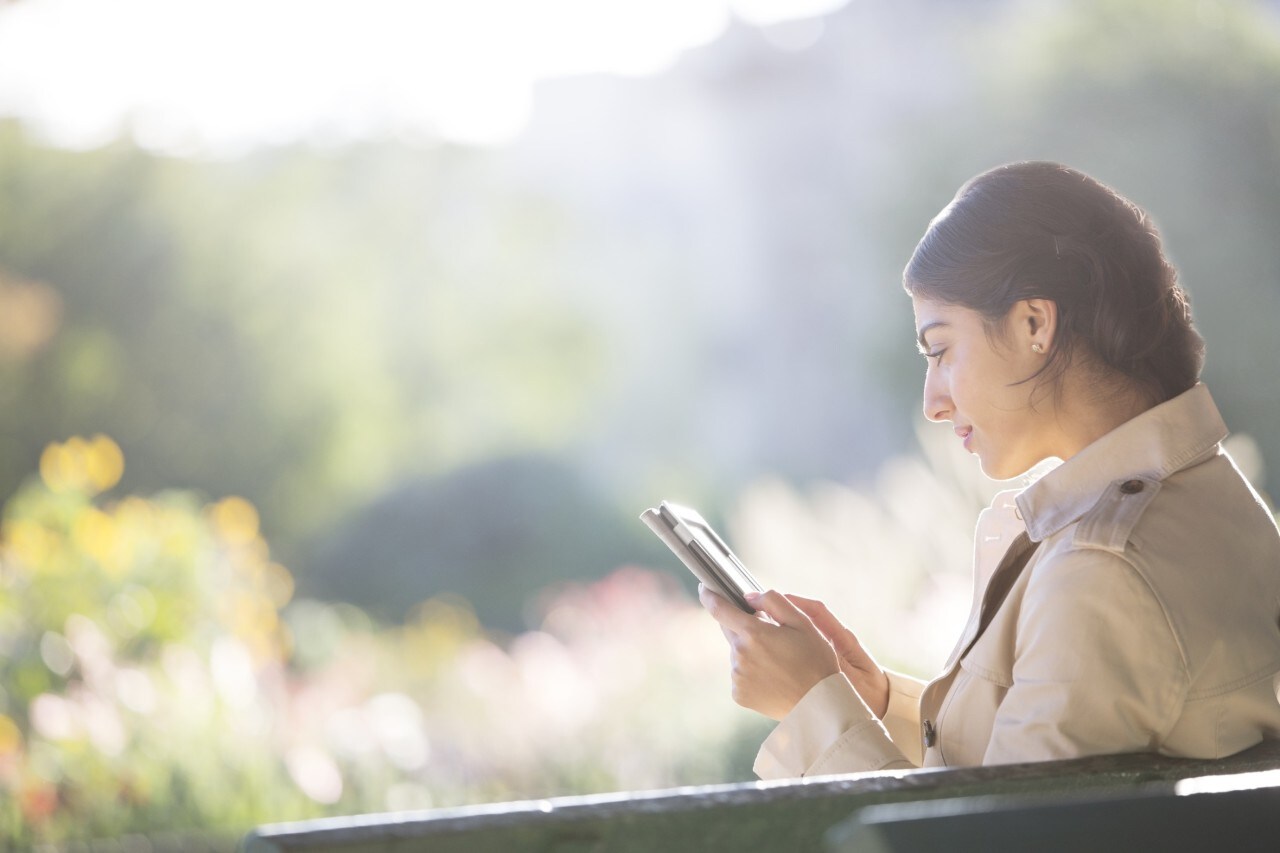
1147,618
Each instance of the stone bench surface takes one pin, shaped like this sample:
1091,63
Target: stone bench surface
788,815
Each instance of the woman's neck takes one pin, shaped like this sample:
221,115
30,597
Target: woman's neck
1088,409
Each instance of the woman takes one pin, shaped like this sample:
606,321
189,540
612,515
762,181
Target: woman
1128,600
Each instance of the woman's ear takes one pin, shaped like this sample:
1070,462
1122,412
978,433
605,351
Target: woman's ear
1036,324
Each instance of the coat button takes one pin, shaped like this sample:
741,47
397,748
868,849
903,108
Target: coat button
930,734
1132,487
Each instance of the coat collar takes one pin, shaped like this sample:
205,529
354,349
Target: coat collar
1166,438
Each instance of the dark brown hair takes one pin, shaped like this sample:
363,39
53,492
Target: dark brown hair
1041,230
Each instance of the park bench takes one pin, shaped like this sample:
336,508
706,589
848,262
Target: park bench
1103,803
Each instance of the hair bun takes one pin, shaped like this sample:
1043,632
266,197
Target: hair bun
1103,265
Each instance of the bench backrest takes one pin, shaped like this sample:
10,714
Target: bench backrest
792,815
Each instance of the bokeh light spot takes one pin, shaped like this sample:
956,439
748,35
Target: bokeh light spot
29,543
278,584
55,718
315,773
56,653
30,314
10,736
104,463
236,520
79,465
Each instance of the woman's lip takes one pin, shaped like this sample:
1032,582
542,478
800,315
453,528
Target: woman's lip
965,433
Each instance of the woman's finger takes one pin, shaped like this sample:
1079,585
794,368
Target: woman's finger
724,611
815,610
836,632
780,608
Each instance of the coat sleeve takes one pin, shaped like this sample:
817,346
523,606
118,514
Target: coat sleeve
831,730
902,719
1097,668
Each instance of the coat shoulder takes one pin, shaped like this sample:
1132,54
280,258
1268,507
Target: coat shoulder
1109,524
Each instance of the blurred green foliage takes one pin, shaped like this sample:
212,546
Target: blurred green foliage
159,680
518,524
292,327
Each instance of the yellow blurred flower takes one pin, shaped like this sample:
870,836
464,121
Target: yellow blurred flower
105,463
10,736
236,520
98,535
58,467
135,512
82,465
30,543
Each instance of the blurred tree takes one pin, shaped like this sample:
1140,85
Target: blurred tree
300,327
130,354
495,533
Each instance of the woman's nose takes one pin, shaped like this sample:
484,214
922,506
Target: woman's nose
937,401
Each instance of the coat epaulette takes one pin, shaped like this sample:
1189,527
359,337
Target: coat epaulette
1108,524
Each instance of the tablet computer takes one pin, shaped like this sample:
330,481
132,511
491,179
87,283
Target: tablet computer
702,550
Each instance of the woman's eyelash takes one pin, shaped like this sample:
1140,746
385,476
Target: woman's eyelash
935,354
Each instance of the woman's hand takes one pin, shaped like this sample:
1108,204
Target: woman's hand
858,666
775,663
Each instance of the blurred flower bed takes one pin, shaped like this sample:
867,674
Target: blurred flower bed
158,679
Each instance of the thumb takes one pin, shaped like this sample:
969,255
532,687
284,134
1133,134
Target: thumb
779,608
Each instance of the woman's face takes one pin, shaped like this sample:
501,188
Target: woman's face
975,381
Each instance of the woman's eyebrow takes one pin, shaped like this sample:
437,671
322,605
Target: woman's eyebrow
924,345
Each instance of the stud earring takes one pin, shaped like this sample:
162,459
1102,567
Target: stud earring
1037,349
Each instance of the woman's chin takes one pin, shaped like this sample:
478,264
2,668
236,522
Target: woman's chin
1002,469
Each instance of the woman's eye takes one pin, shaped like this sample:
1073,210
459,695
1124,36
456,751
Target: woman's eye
936,355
